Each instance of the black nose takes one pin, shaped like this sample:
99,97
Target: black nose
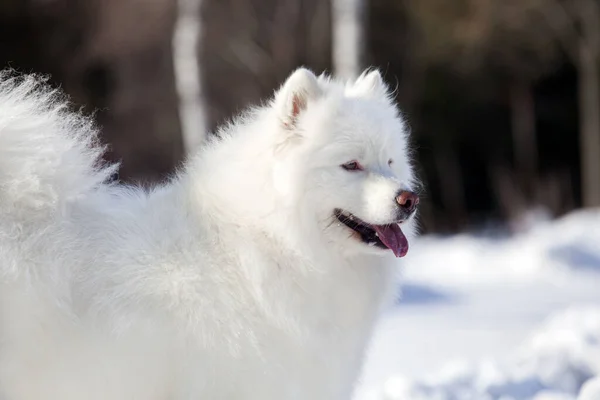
407,201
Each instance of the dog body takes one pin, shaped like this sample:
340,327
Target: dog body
250,275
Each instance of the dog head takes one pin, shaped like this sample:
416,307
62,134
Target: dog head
343,155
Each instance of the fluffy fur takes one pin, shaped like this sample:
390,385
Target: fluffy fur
232,281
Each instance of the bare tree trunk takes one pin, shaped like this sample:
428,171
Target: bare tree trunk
186,38
581,22
510,199
348,37
589,99
524,135
127,75
451,187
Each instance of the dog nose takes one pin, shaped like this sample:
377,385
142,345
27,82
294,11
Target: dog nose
407,201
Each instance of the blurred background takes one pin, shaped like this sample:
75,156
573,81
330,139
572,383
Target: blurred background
503,100
502,96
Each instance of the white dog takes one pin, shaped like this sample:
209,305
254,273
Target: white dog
256,273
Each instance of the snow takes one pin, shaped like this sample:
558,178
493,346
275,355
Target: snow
590,390
502,318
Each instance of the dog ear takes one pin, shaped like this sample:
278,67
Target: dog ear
371,84
295,94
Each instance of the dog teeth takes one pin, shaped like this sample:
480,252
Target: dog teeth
376,234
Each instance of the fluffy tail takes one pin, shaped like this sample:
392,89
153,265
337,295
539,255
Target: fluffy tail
48,154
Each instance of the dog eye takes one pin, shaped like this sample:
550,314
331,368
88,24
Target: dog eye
390,162
352,166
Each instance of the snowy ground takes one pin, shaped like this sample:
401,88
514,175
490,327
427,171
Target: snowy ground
479,319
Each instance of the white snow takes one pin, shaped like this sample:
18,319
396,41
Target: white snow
505,318
590,390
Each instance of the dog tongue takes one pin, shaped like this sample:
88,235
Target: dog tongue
393,238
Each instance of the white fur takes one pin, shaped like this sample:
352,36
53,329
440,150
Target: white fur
232,281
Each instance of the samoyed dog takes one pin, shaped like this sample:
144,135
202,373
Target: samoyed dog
256,272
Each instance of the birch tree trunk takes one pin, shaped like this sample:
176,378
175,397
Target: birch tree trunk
348,37
186,39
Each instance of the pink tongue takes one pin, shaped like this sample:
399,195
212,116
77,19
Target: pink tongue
393,238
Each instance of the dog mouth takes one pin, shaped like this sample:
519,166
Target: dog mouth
389,236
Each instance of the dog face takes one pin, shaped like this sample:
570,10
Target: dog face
348,147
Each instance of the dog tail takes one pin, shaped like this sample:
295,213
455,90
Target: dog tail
48,154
